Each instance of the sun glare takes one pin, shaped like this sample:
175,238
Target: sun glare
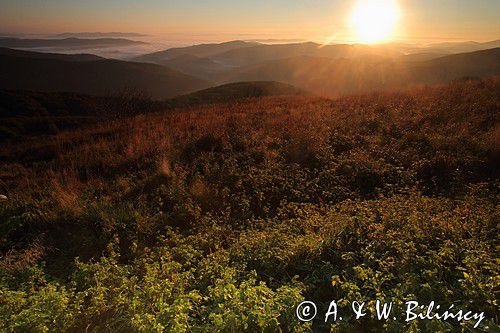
374,21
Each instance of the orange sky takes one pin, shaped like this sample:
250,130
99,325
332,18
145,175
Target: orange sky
317,20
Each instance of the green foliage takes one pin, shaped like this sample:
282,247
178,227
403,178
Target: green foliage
155,293
225,218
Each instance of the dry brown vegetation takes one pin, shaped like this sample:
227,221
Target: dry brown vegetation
232,176
459,119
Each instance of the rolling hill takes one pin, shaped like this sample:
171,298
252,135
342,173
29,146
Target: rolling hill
207,60
196,66
54,56
224,218
423,56
261,53
237,53
201,50
25,114
461,47
328,76
327,70
61,73
235,91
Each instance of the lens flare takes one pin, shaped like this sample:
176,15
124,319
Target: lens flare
374,21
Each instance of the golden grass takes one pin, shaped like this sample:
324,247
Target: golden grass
113,148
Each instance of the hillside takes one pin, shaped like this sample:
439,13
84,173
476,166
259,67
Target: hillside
201,50
235,91
263,53
332,70
236,53
478,63
424,56
55,56
26,114
461,47
196,66
49,73
224,217
335,77
240,54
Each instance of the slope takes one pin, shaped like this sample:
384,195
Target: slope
99,77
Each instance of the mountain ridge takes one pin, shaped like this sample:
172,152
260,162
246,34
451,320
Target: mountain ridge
59,73
200,50
335,77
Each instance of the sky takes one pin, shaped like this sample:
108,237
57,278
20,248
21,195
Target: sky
316,20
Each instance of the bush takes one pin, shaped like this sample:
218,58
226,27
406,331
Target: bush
225,217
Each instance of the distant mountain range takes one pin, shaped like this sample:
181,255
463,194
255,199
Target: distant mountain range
239,53
329,70
53,56
97,34
67,43
201,50
90,75
201,67
333,77
332,69
454,47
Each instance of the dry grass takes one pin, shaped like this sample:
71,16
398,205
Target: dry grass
392,194
15,260
112,148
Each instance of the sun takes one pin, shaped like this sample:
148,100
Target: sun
374,21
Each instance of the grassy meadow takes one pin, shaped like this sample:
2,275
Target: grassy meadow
224,217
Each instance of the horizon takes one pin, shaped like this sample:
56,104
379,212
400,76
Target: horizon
182,40
327,22
156,43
